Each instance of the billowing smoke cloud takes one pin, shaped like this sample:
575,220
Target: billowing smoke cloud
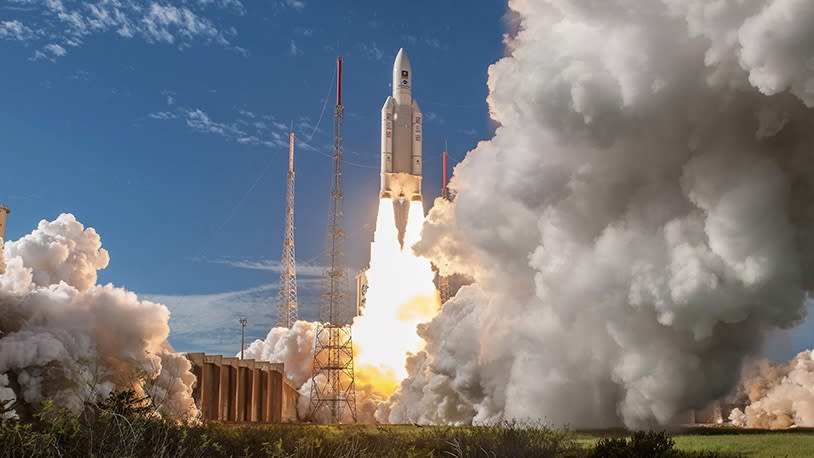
62,337
294,348
779,396
642,216
62,251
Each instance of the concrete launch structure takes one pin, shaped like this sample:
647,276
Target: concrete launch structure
3,212
242,390
401,137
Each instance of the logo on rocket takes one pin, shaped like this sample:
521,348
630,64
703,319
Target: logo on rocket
401,137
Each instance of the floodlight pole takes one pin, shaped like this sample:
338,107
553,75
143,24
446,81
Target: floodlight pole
243,322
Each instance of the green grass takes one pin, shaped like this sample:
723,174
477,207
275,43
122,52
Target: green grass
763,445
123,425
732,441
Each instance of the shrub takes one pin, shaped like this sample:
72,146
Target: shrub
642,444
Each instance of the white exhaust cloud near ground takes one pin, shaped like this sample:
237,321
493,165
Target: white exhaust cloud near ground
778,395
63,337
640,221
294,347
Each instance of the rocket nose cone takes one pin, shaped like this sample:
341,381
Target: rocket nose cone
402,74
402,61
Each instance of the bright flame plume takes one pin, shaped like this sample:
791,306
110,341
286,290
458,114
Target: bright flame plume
401,294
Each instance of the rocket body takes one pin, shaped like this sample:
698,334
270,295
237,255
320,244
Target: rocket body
401,137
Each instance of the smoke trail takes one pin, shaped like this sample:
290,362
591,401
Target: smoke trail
642,216
62,337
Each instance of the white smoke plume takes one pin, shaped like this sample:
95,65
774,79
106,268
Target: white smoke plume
779,396
642,216
294,347
65,338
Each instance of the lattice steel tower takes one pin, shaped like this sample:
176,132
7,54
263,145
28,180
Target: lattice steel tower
333,381
287,310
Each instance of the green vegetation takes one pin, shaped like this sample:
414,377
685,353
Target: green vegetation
726,441
124,425
764,444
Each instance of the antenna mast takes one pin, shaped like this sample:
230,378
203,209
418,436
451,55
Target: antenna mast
287,309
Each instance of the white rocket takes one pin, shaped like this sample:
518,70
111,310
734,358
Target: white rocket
401,136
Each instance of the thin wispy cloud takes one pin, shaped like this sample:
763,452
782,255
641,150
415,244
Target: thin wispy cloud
432,42
371,51
273,265
198,120
210,322
304,31
235,5
433,117
429,40
15,30
245,127
162,115
281,5
293,49
49,52
181,24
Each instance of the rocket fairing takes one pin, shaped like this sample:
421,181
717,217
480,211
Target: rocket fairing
401,136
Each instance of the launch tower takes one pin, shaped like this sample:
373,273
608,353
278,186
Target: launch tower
333,381
287,310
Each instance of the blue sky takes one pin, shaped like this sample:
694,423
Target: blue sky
164,126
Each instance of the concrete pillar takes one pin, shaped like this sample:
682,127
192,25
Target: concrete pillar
276,396
269,398
210,390
256,396
228,387
244,390
210,401
289,396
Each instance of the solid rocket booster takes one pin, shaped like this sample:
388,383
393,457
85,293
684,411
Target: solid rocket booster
401,136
